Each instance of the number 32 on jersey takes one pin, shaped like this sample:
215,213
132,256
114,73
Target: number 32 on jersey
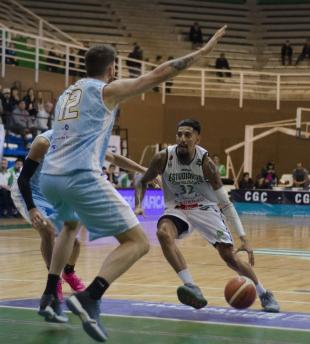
70,105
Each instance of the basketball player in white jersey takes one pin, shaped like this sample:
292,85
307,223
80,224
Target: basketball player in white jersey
193,190
84,118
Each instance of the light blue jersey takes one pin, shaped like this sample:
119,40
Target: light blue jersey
35,179
82,130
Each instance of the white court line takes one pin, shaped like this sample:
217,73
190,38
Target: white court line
179,320
151,286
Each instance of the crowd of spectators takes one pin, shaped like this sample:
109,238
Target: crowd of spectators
24,116
119,179
268,178
287,52
7,178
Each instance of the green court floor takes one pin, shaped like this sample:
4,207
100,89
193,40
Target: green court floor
24,326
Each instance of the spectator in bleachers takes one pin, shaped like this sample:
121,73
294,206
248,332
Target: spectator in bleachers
15,97
53,58
44,116
134,68
220,167
269,174
7,106
125,180
246,182
305,52
300,176
30,101
112,178
286,51
10,54
5,196
14,171
222,63
20,120
195,35
262,183
40,101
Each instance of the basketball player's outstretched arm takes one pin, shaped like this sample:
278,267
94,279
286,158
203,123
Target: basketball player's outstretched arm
211,173
157,166
122,89
125,163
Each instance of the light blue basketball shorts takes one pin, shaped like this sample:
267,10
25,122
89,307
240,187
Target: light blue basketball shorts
44,207
88,197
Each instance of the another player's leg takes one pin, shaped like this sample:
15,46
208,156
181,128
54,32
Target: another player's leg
167,233
268,301
47,234
133,245
50,305
69,274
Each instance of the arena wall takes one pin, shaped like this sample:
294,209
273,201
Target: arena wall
223,124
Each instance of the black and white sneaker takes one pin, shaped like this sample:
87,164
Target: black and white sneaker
191,295
88,309
269,302
51,310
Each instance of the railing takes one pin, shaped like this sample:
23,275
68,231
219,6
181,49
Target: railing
47,54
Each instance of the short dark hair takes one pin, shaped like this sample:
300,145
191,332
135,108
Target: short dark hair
98,58
190,123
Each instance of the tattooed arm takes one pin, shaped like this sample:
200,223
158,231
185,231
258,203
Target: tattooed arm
211,173
122,89
157,166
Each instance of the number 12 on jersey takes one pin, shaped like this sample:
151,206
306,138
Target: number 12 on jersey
69,108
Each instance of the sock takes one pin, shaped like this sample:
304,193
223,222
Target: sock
260,289
186,277
69,269
97,288
51,285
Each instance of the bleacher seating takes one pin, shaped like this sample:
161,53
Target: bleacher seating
257,28
288,19
88,21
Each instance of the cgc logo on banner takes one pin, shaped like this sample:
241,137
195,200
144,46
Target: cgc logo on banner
256,196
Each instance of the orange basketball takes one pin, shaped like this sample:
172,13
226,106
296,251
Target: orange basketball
240,292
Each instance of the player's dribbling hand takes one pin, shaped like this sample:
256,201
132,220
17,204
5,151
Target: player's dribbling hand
37,219
246,247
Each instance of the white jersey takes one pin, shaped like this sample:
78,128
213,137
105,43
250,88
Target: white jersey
185,186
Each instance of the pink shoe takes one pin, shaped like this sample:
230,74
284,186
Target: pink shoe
59,291
75,282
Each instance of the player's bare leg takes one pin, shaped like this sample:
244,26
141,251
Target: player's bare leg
133,245
268,301
50,307
189,293
47,235
69,274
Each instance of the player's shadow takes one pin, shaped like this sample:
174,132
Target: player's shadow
58,334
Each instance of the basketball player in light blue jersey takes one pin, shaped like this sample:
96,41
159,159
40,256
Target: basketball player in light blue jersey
37,211
71,180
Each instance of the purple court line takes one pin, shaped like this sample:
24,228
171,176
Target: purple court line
293,321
